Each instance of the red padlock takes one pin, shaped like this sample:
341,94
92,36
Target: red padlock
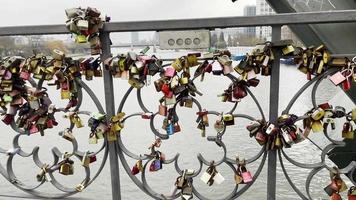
239,92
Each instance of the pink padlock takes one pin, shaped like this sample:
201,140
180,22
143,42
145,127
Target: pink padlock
8,75
246,175
34,129
337,78
170,72
24,75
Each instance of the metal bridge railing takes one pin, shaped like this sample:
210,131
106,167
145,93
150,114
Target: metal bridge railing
275,21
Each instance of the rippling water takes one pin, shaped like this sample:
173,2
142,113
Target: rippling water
137,137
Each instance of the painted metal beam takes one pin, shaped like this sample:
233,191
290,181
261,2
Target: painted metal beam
342,16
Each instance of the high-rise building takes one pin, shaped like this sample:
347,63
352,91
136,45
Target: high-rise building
265,32
250,11
262,8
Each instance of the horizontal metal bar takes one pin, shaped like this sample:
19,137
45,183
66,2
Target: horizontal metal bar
33,30
339,16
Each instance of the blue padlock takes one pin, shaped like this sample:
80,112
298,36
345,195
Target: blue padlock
157,165
170,129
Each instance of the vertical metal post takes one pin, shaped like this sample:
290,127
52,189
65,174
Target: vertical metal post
273,115
110,111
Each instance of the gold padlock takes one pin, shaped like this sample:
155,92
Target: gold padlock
353,114
85,160
117,126
278,142
320,67
135,83
111,136
288,49
348,135
317,126
93,138
177,65
65,94
188,102
192,60
326,57
66,169
78,122
184,80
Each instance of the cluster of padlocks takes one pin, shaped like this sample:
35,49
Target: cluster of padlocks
86,24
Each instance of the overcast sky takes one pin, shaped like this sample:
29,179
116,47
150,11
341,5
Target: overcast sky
25,12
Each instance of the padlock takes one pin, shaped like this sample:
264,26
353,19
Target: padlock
136,83
346,85
93,138
347,131
229,119
286,136
238,178
265,62
170,129
177,65
331,188
67,134
261,138
318,114
66,169
25,75
174,82
270,128
206,177
239,92
85,160
78,122
65,91
156,165
288,50
218,178
246,175
162,110
317,126
111,136
217,68
219,125
169,72
82,25
353,115
33,129
184,80
170,101
80,39
188,102
8,119
337,78
57,54
192,59
278,142
135,170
